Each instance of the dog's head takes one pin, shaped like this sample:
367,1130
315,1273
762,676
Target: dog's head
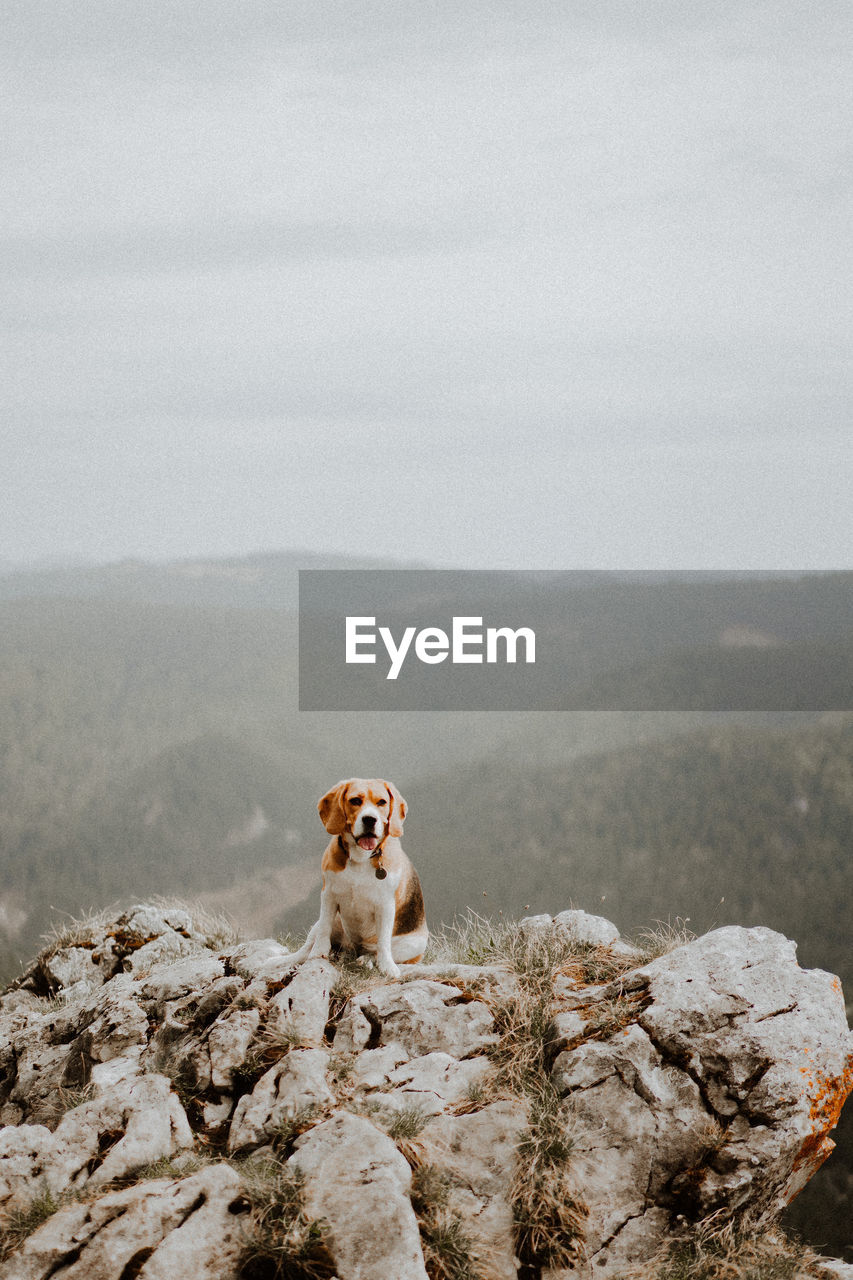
363,811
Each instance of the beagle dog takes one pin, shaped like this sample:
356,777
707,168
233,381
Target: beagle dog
371,900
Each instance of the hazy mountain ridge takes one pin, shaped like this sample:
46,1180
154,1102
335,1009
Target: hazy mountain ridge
256,581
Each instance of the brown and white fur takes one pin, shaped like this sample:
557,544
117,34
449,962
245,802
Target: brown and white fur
360,910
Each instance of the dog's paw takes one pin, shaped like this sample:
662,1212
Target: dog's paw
387,966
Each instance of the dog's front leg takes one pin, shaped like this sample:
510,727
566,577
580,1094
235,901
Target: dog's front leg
384,959
323,938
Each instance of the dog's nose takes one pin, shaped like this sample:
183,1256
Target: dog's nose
368,821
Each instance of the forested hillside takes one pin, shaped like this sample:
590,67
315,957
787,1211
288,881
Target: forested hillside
728,825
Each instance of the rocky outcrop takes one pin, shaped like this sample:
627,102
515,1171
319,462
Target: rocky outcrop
151,1078
719,1090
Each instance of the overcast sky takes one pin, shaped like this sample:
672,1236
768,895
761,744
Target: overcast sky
483,283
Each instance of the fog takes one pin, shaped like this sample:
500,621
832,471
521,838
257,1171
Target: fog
493,285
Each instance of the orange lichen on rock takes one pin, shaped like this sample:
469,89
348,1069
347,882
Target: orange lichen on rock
829,1093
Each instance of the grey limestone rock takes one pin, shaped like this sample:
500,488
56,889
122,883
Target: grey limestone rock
158,1230
260,957
24,1152
477,1152
359,1182
433,1081
113,1136
301,1008
717,1093
296,1082
74,969
422,1016
705,1082
228,1043
580,926
133,1124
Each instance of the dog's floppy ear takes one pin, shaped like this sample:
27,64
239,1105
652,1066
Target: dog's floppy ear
397,816
331,809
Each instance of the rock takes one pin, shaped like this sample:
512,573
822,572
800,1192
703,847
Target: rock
834,1269
159,1230
576,926
477,1151
39,1073
296,1082
422,1016
54,1051
147,921
106,1074
595,931
433,1082
110,1137
165,949
119,1025
359,1182
704,1082
261,957
635,1119
215,1114
137,939
536,924
372,1067
569,1028
113,1136
714,1086
207,1003
228,1043
24,1151
73,967
768,1046
175,978
301,1009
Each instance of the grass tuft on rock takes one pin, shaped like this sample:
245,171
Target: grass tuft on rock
216,929
548,1212
293,1126
406,1122
76,931
282,1242
666,936
447,1251
729,1252
17,1225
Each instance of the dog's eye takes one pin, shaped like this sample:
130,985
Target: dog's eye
380,803
355,800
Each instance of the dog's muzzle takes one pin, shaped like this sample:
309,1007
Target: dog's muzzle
368,829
